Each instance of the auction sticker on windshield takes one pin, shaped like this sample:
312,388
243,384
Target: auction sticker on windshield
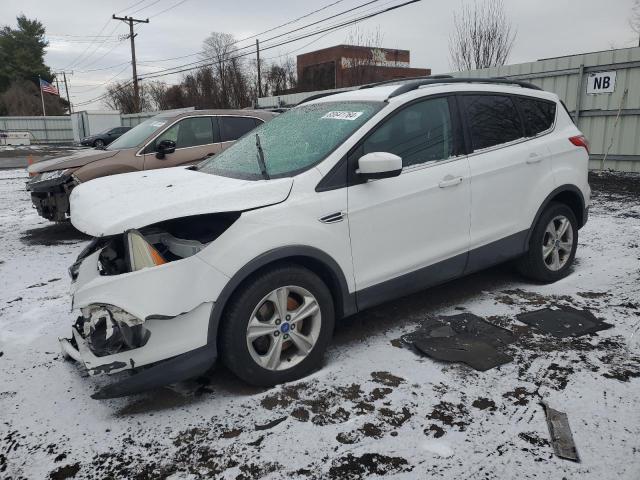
338,115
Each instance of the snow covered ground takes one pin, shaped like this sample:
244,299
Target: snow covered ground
376,408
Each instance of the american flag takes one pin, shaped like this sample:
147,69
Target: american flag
48,88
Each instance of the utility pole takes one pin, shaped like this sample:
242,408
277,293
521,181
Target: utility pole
131,21
259,79
66,87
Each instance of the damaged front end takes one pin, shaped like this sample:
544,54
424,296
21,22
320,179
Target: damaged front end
50,193
145,299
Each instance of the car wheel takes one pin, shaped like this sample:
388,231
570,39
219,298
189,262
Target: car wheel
98,143
277,326
552,246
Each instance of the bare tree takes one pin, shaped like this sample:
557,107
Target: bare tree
482,36
120,96
157,94
634,21
359,68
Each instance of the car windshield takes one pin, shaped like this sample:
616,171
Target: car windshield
134,137
292,141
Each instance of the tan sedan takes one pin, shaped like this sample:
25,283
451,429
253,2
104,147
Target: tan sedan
166,140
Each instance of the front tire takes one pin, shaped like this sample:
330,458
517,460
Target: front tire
277,326
98,144
552,246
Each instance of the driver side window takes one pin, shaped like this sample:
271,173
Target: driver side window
190,132
419,133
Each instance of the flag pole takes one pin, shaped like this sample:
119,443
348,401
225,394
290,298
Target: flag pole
44,112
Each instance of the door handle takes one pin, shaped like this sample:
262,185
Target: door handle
450,181
534,158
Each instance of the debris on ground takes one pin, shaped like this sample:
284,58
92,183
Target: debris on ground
464,338
560,432
564,322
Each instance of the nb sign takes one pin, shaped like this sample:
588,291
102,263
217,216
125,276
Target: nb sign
601,82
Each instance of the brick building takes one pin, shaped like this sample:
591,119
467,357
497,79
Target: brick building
349,65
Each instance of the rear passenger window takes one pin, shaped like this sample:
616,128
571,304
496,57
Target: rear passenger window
538,115
419,133
232,128
493,120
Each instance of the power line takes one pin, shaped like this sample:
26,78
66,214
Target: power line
325,30
74,62
167,9
275,37
271,29
145,7
162,73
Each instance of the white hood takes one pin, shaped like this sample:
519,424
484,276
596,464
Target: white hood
115,204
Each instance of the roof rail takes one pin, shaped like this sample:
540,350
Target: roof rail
403,80
316,96
408,87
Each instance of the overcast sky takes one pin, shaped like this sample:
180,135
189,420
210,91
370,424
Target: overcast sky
545,28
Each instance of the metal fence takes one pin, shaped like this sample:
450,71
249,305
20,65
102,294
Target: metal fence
602,92
56,129
59,129
600,89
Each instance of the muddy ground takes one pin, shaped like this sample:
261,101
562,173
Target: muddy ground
376,409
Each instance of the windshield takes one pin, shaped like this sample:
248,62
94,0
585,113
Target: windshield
292,141
134,137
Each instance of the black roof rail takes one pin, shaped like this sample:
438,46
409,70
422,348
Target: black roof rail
408,87
316,96
371,85
403,80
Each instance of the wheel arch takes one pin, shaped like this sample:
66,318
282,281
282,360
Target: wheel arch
312,258
568,194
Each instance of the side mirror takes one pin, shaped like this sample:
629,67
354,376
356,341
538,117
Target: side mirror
376,165
165,147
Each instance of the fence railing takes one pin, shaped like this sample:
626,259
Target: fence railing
55,129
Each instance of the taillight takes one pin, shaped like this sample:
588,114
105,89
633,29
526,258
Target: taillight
580,141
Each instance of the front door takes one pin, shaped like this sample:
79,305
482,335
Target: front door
411,231
195,138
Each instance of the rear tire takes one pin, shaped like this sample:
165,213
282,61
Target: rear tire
552,246
277,326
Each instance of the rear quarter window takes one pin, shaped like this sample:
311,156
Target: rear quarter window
539,115
232,128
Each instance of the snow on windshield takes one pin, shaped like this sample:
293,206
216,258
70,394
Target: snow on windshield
293,141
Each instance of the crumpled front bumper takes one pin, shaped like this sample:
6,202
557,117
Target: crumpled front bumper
172,302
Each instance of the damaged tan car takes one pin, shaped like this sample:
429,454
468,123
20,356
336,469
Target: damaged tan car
167,140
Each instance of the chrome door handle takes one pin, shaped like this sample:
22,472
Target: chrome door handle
534,158
450,181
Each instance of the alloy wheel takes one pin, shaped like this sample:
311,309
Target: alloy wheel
283,328
557,243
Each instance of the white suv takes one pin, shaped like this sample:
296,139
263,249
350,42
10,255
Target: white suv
337,205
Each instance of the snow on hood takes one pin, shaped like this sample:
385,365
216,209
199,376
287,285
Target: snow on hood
115,204
78,159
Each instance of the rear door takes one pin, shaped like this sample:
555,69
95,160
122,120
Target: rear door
400,226
195,138
509,166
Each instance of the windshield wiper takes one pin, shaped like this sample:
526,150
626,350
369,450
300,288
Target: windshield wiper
263,166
